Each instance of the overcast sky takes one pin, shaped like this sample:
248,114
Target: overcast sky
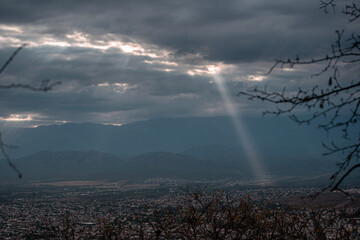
124,61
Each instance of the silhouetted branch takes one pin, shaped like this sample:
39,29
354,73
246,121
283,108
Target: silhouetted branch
326,4
344,176
353,11
45,86
336,103
2,148
346,50
12,57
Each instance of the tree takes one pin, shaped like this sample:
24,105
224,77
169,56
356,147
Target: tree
205,215
335,103
45,86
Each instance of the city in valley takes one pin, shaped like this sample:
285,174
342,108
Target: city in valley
149,209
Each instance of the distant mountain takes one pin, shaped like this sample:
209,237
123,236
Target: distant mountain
91,165
218,153
208,162
176,165
274,163
62,165
182,147
275,135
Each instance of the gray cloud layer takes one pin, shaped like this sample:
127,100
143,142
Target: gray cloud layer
158,63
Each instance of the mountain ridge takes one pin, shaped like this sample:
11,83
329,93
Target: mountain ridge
171,135
92,165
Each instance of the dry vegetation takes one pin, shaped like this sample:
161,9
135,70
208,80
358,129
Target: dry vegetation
209,216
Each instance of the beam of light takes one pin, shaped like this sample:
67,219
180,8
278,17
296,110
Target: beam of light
241,132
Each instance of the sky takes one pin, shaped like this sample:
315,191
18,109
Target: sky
125,61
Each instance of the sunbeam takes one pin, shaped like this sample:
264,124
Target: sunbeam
241,132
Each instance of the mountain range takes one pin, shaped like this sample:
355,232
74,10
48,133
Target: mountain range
275,135
191,148
193,164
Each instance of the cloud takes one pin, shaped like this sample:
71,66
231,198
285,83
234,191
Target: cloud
121,61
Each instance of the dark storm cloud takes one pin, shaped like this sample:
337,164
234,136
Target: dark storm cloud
228,31
81,99
90,67
178,41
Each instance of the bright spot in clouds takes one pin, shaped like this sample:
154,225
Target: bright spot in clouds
11,28
256,78
105,84
161,62
213,69
18,117
288,69
127,48
117,87
206,69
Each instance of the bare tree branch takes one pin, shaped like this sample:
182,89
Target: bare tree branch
12,57
3,151
344,176
337,103
45,86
